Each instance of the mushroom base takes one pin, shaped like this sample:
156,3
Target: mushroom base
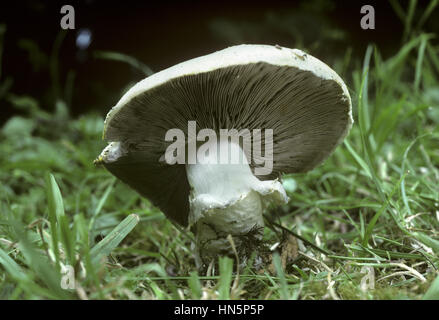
242,220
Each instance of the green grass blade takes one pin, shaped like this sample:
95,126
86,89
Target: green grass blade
428,241
418,70
365,98
431,6
116,56
281,275
357,158
432,53
38,262
368,153
58,220
226,273
112,240
12,267
54,210
24,279
194,285
377,215
409,18
398,9
432,292
56,206
399,59
103,200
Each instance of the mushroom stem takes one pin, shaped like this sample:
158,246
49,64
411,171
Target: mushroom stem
227,199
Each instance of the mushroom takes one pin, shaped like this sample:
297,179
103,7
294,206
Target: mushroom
293,109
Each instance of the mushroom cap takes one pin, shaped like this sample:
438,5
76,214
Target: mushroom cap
304,102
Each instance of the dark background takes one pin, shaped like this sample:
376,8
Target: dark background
161,34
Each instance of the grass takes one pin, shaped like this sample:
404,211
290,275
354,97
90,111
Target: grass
368,217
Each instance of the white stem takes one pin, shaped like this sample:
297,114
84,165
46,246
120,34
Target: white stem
228,199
